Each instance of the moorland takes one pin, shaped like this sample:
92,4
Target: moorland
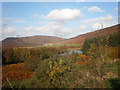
45,61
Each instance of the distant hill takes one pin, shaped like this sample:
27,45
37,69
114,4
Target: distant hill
40,40
29,41
80,39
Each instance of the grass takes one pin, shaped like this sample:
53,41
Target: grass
59,45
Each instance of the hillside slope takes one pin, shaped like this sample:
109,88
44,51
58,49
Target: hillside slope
30,41
80,39
40,40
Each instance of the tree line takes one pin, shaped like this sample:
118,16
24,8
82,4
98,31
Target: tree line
16,55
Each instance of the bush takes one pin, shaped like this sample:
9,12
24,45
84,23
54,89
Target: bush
31,64
111,40
113,83
11,84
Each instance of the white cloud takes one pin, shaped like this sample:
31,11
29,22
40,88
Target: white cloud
95,23
82,28
80,0
8,31
51,29
64,14
95,9
55,29
107,18
59,29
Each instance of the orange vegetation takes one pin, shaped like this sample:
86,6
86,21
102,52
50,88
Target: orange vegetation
81,62
16,72
84,59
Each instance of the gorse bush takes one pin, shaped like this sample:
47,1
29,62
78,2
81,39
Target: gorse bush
110,40
52,71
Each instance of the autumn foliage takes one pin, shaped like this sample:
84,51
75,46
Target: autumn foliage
15,72
45,68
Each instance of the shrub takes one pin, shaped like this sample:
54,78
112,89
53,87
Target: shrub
31,64
113,83
111,40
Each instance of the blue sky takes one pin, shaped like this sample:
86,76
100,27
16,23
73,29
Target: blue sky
61,19
60,0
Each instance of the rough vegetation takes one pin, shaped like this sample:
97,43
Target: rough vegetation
96,68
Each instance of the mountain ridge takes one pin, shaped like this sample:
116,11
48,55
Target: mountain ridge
80,38
40,39
29,41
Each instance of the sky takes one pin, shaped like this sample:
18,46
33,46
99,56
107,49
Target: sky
61,19
60,0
